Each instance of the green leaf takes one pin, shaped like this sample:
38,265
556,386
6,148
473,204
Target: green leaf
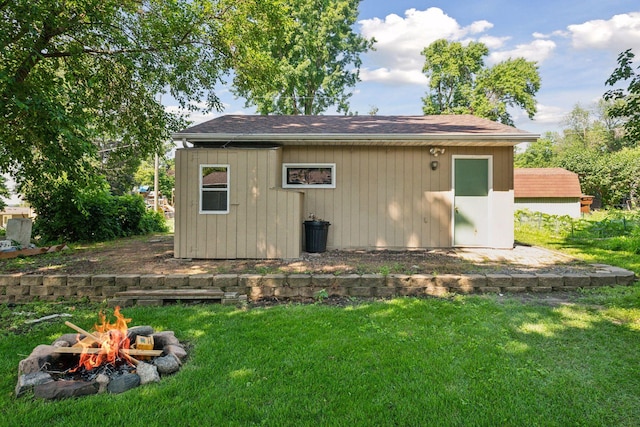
459,83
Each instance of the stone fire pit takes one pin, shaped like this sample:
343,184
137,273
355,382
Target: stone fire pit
78,364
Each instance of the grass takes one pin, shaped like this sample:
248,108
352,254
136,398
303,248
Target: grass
460,361
604,237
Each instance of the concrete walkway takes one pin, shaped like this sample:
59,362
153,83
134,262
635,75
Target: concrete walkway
529,256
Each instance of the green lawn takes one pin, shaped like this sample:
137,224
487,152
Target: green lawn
487,360
459,361
605,237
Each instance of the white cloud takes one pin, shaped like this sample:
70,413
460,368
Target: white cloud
412,33
493,42
394,76
549,114
400,40
538,50
479,27
619,33
547,118
557,33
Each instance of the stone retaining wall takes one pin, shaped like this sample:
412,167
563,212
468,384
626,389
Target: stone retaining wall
24,288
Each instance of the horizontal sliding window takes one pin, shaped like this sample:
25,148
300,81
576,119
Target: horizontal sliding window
214,189
309,175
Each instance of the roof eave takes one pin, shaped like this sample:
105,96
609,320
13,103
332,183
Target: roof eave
444,139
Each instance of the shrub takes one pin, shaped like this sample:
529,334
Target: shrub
135,218
67,213
152,222
617,231
634,241
130,210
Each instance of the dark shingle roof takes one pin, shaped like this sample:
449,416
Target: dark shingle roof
278,130
281,124
545,182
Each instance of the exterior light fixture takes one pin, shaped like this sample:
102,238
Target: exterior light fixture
434,165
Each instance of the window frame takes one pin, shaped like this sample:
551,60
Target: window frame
331,166
202,190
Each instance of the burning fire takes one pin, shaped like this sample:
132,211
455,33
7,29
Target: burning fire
105,344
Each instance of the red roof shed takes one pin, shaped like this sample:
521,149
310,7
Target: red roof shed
554,191
545,182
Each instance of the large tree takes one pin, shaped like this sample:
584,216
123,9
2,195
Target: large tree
591,146
4,192
460,83
145,175
297,56
451,68
612,177
592,128
73,73
627,101
539,154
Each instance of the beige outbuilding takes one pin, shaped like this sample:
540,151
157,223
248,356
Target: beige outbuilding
246,184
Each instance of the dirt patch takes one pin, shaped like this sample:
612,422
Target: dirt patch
154,255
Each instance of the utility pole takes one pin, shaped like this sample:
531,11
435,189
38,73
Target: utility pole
156,166
155,183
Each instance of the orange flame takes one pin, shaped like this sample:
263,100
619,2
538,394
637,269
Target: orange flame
112,338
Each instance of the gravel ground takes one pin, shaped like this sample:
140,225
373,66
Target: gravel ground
154,255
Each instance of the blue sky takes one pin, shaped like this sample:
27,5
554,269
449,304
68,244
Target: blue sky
575,44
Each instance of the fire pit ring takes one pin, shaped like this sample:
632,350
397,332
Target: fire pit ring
114,358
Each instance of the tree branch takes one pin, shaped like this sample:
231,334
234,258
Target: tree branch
113,52
31,60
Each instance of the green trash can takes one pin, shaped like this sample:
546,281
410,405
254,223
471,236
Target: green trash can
315,235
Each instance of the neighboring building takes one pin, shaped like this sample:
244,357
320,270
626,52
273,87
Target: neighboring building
554,191
11,212
246,184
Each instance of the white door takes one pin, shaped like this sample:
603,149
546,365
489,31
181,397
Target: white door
472,187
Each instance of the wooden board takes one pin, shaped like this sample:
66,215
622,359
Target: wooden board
136,352
31,252
173,294
92,350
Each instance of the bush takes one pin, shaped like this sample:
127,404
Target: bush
633,245
152,222
129,210
617,231
66,213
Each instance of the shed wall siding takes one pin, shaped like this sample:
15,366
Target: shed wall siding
552,206
385,197
501,233
263,222
388,197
